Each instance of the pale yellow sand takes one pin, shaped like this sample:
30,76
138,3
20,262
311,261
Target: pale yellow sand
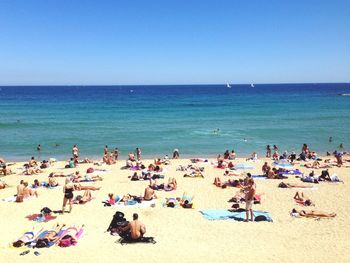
183,235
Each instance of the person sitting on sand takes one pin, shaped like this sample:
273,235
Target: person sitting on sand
36,184
3,185
149,193
32,162
27,237
135,177
28,192
52,182
137,229
71,163
83,199
312,214
76,177
300,198
275,156
20,195
171,185
253,158
265,169
131,157
5,171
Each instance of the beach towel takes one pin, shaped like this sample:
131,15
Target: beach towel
40,218
145,240
235,215
259,177
39,244
143,204
13,199
292,172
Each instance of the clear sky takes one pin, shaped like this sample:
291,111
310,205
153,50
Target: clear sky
173,41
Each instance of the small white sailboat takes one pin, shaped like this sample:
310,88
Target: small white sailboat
228,85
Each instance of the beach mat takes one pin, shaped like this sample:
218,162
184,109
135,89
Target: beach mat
259,177
40,219
144,240
143,204
235,215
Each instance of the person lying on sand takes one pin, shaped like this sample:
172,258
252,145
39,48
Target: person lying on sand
79,187
61,174
86,197
312,214
27,237
300,198
287,185
50,236
31,171
231,173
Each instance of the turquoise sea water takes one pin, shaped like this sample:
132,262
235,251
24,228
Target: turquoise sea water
161,118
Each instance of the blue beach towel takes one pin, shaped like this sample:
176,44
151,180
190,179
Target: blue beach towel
238,216
259,177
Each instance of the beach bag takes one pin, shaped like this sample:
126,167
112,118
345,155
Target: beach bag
46,211
282,185
260,218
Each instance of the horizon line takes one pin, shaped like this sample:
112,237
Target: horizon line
196,84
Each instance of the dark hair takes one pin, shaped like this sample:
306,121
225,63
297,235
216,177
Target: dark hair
18,243
294,210
249,175
135,216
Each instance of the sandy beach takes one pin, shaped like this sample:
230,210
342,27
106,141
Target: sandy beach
183,235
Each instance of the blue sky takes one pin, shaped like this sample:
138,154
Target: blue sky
173,42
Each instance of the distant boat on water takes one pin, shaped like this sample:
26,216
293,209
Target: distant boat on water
228,85
344,94
252,85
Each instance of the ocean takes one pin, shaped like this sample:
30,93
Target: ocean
199,120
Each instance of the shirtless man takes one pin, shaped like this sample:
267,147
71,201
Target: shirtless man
149,193
28,192
137,229
32,162
249,199
19,196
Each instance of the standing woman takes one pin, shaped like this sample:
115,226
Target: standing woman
68,195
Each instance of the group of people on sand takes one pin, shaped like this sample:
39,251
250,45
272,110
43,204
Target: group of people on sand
24,192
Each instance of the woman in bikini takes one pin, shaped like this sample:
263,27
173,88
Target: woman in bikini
27,237
50,236
313,214
302,199
68,195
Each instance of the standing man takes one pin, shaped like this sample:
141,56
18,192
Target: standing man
138,153
38,148
116,154
249,199
105,151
